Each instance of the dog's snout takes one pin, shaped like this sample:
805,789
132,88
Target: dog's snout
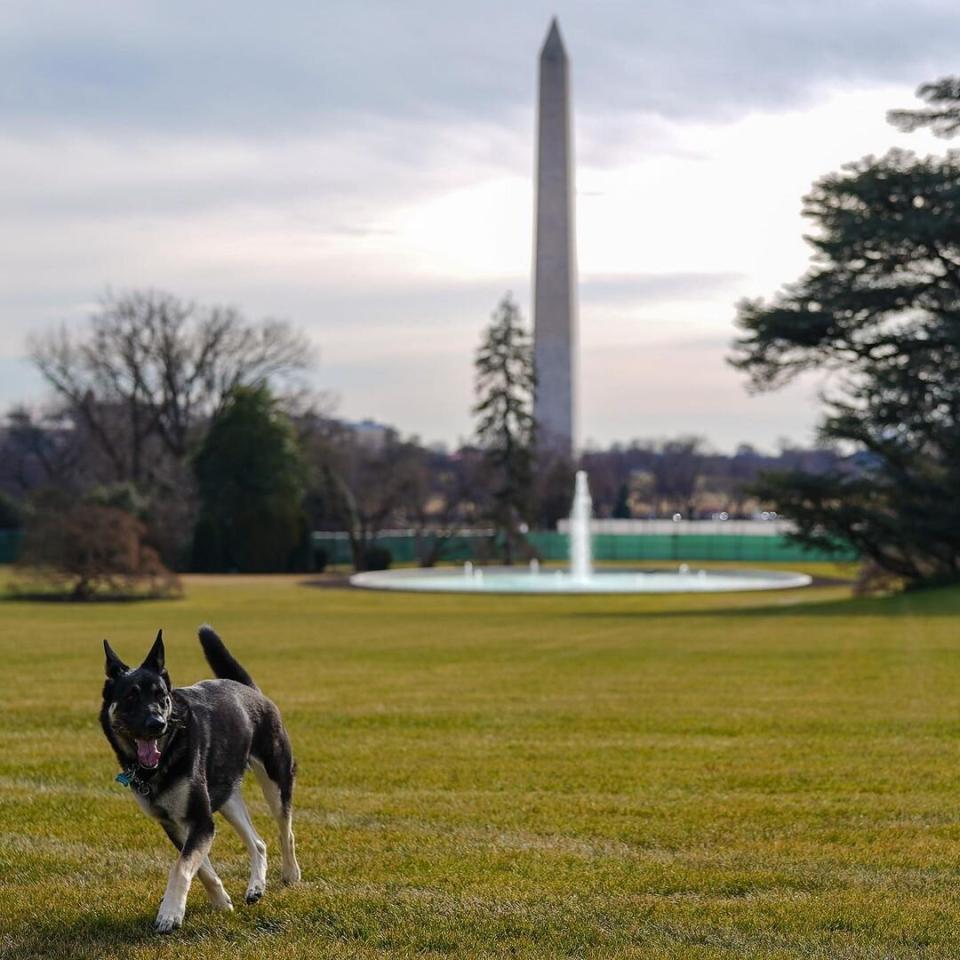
155,724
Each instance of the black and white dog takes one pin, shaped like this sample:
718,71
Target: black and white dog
184,752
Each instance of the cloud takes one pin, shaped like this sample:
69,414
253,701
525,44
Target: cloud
251,69
673,388
646,288
365,170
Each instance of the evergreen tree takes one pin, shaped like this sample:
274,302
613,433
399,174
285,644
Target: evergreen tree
879,310
11,513
621,509
251,481
942,114
505,426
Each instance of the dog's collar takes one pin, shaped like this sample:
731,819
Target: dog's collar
129,778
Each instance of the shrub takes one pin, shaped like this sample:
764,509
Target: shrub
377,558
79,549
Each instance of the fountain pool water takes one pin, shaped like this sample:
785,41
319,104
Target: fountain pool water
580,577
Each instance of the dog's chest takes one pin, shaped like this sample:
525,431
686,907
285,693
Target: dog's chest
170,804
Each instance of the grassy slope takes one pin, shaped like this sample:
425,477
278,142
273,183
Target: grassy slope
753,775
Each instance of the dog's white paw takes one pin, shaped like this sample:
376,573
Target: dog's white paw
168,920
254,892
290,874
222,902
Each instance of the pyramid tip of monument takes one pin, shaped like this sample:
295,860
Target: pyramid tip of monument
553,44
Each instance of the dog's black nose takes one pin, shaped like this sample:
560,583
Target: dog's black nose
155,725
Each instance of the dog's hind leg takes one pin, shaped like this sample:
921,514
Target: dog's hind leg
216,894
235,813
277,786
196,846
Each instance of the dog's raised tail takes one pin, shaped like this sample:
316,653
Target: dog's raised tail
220,659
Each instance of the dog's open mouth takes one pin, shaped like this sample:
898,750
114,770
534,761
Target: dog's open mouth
148,754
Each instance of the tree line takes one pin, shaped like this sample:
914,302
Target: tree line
183,437
186,437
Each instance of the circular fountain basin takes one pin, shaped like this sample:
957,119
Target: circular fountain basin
519,580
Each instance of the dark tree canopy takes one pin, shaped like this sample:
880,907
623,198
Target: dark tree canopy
251,480
11,513
504,411
942,114
879,311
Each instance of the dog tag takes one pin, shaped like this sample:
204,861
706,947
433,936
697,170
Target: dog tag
123,778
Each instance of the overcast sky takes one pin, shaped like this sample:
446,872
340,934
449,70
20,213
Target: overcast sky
364,169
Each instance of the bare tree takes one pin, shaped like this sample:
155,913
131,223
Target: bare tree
447,496
151,367
364,484
676,471
39,450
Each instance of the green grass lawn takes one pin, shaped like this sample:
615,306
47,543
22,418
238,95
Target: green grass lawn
751,775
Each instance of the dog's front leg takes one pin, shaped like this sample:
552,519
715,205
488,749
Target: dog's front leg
219,898
195,849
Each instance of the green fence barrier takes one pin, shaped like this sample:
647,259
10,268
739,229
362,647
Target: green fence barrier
405,548
693,546
9,545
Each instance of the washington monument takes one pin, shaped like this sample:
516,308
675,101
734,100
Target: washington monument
555,260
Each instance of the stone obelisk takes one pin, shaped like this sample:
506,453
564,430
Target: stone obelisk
555,262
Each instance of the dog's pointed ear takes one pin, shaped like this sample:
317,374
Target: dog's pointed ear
115,667
154,659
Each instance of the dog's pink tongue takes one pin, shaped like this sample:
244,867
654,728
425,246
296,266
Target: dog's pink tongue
147,753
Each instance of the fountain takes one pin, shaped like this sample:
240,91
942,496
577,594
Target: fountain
581,547
581,576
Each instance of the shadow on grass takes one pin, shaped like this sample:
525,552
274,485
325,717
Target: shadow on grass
91,937
100,936
331,581
938,602
97,598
